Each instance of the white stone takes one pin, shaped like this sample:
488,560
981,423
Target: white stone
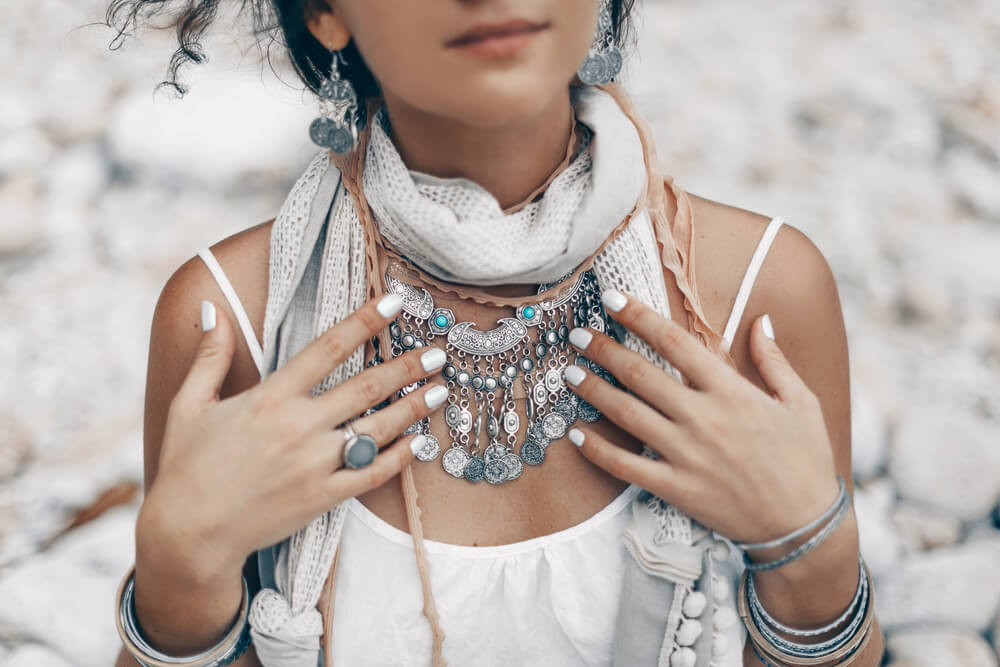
869,433
879,542
925,527
934,647
947,459
955,585
34,655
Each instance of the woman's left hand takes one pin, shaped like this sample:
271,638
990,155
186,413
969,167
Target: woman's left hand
750,466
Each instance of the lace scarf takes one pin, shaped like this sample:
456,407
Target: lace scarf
605,211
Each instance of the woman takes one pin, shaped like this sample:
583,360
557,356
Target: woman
475,239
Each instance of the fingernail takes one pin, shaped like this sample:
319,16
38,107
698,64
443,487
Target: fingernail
613,300
418,443
435,396
432,359
766,324
389,305
576,437
207,315
580,338
574,375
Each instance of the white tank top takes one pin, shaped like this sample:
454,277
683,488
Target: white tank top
549,601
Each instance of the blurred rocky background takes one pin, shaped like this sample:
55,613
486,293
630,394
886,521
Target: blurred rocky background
874,127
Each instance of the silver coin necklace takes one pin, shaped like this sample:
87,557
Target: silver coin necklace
530,347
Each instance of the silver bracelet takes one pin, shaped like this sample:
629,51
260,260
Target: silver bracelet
820,649
812,632
805,547
231,647
746,546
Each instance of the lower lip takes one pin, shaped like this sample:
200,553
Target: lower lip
500,46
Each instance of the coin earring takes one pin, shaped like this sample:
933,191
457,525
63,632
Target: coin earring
341,117
604,59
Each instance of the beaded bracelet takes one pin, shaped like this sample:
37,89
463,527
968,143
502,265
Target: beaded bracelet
841,506
231,647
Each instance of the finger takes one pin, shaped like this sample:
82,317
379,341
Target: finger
641,376
627,411
702,368
317,359
350,482
212,361
772,364
375,384
640,470
387,424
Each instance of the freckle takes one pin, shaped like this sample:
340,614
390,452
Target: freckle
475,544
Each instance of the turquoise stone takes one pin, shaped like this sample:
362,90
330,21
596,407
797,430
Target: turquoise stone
441,321
529,312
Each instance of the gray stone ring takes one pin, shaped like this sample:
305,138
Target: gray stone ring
359,448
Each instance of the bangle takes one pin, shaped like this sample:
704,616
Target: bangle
841,650
231,647
756,606
841,506
746,546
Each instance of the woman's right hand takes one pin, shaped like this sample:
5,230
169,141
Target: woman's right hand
239,474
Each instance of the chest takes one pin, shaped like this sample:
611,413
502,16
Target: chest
505,387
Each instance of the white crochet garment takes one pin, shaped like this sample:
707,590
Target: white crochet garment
285,624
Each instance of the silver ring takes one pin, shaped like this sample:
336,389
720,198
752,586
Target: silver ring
359,448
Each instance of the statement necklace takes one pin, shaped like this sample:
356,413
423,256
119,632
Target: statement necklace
484,367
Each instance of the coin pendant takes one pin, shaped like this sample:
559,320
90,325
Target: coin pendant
532,453
537,435
567,408
430,450
587,412
554,426
495,471
475,469
454,461
514,466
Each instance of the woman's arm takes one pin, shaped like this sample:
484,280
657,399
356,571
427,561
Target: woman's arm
797,288
201,607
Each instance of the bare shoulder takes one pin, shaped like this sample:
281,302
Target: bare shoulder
795,286
244,259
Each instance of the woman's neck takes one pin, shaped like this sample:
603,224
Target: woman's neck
509,161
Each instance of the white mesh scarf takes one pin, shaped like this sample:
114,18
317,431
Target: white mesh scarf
448,227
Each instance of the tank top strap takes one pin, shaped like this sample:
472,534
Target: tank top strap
749,277
234,301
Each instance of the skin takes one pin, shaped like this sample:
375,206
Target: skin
774,431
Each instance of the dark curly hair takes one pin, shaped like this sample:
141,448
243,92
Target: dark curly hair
281,21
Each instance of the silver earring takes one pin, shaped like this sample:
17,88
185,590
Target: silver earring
341,117
604,59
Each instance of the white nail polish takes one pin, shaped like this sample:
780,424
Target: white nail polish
207,315
576,437
435,396
418,443
613,300
580,338
574,375
389,305
432,359
765,323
